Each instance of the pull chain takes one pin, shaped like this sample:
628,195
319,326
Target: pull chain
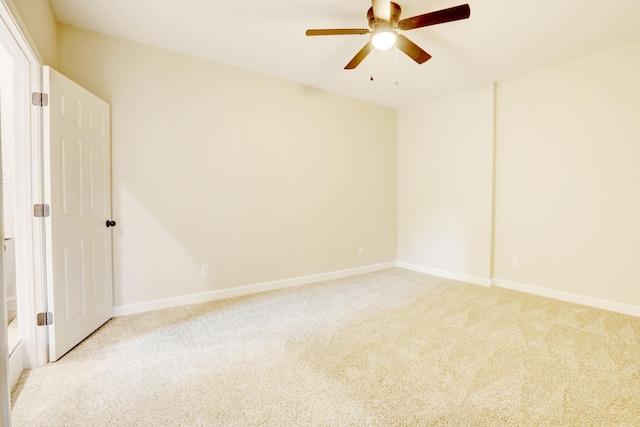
396,66
372,65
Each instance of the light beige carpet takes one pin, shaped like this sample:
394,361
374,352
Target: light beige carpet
392,348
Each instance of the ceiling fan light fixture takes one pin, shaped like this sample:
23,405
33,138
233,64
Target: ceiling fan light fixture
383,39
383,26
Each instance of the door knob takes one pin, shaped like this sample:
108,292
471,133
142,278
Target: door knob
111,223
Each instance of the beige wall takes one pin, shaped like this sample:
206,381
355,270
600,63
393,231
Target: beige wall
566,199
445,188
41,25
568,177
260,178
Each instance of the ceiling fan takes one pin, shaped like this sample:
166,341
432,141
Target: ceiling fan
384,21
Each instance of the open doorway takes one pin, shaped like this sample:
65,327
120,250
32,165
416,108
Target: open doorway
8,138
21,143
23,343
14,130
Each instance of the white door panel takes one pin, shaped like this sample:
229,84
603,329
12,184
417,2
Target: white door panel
77,154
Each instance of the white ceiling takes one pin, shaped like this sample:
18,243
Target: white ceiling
501,39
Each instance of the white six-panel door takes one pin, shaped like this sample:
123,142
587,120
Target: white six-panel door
77,155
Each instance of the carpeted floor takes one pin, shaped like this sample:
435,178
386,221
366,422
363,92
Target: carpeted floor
392,348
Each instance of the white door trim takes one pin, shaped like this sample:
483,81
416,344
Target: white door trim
34,345
30,249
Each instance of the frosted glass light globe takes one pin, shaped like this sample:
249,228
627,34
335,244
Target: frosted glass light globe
383,40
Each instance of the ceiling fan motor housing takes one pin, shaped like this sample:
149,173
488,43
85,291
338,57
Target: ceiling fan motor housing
391,23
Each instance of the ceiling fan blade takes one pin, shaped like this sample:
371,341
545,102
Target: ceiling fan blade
439,17
381,9
359,57
338,31
412,50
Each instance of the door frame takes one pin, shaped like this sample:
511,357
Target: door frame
32,249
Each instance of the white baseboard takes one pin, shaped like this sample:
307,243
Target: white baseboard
569,297
158,304
482,281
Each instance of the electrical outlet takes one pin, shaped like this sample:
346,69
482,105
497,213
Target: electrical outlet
360,250
205,269
515,262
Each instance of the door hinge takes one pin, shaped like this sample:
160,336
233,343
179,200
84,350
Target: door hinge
44,319
39,99
41,210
